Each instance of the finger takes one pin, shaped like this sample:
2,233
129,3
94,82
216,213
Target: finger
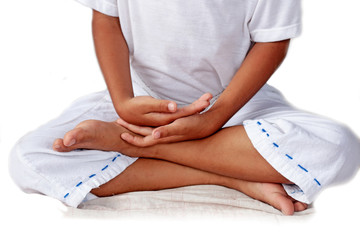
139,141
148,140
206,97
157,118
197,106
144,131
162,106
172,129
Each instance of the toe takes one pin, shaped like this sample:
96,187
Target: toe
59,146
73,137
299,206
284,204
280,200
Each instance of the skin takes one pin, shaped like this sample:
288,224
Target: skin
260,63
180,146
149,173
113,56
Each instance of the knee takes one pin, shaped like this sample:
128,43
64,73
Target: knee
348,148
20,168
347,141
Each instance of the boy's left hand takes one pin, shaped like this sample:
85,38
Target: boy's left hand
188,128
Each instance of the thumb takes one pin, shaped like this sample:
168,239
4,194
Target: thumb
172,129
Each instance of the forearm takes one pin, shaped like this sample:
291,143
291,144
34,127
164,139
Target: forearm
261,62
113,55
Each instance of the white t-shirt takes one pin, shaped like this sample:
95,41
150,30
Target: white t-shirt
180,49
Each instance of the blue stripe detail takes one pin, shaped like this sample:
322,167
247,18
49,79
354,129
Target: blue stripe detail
302,168
105,167
287,155
93,175
317,181
119,155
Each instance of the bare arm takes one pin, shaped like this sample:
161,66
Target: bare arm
261,62
259,65
113,55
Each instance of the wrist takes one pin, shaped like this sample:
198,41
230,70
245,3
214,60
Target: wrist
213,119
121,105
220,113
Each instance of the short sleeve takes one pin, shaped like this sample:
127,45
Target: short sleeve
275,20
108,7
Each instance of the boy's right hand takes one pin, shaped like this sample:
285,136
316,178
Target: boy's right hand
149,111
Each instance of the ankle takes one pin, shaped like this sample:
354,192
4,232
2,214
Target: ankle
222,181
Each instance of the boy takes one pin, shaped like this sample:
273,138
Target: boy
213,57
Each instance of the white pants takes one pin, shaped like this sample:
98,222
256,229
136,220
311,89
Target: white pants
310,151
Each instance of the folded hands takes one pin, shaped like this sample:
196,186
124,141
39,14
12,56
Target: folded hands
156,121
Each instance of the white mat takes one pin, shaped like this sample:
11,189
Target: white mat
193,201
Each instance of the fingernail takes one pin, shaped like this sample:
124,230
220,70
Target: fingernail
156,135
72,142
171,107
57,146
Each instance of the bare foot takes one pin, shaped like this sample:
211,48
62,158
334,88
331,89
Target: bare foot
272,194
94,134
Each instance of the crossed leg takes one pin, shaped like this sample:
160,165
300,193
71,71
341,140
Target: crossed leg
227,158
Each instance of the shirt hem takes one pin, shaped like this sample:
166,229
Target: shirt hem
276,34
101,6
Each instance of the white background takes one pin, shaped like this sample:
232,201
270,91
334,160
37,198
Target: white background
47,61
